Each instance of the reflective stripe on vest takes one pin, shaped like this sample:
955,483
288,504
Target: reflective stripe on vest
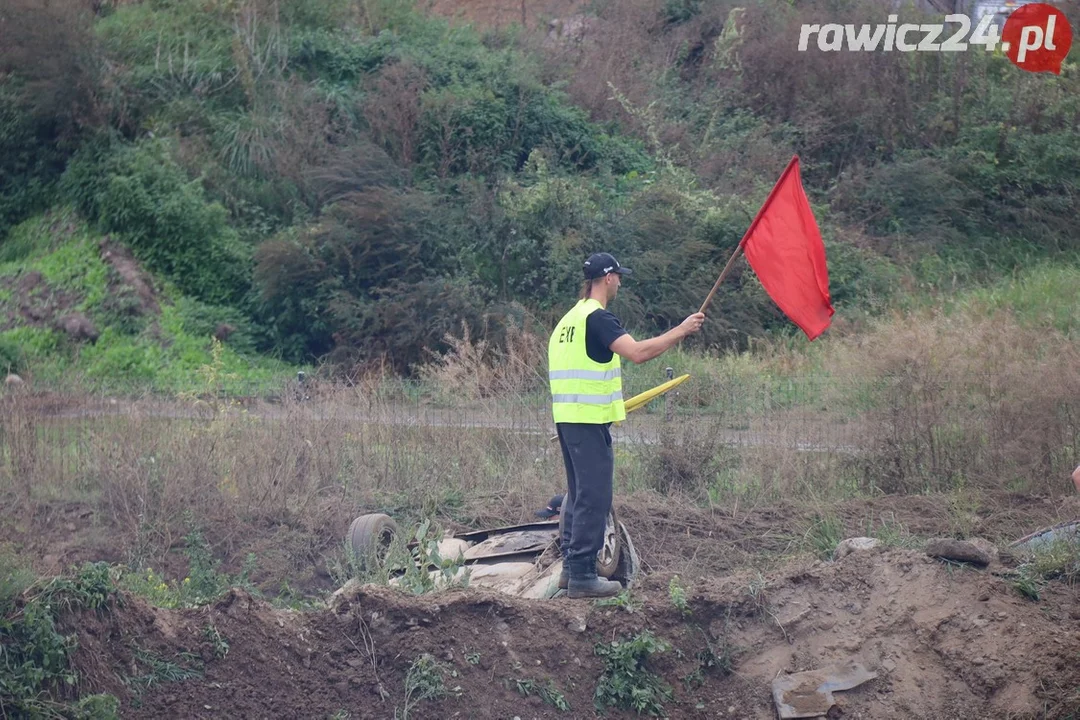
588,399
585,374
582,390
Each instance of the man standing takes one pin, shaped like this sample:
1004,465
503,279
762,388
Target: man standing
586,390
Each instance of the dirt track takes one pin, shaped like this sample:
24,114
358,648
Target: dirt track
531,420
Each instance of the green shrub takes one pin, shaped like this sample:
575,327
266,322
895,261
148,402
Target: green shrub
11,356
29,163
627,683
338,56
202,320
32,344
145,197
35,660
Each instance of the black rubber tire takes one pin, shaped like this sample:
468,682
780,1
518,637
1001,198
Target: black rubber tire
609,567
370,536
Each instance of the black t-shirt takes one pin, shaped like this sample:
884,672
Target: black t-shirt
601,329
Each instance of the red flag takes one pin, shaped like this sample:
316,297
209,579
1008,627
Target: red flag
784,247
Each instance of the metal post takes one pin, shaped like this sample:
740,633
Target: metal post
670,372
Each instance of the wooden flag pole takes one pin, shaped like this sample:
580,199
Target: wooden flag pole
753,224
723,274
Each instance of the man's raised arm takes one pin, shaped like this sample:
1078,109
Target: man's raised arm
638,352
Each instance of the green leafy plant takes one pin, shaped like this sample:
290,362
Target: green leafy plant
217,641
548,692
206,582
414,567
625,600
425,680
35,659
677,593
627,682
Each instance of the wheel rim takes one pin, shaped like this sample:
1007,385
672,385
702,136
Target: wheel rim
608,552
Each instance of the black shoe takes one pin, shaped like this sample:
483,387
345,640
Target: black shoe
593,587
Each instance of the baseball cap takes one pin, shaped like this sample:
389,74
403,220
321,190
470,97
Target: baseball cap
600,264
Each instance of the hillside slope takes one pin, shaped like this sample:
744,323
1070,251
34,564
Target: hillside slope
78,310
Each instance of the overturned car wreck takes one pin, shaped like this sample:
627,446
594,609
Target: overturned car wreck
519,560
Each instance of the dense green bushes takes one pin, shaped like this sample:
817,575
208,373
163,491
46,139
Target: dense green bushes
360,179
29,164
139,192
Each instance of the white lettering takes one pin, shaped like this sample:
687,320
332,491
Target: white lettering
864,40
929,43
890,33
804,35
837,42
901,32
1050,23
1031,38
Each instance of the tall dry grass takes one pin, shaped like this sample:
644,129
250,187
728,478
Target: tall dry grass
964,400
476,368
934,403
146,467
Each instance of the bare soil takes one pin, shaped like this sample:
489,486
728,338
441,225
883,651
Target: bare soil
36,303
130,276
945,640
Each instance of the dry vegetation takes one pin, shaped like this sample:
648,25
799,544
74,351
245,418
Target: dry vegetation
965,407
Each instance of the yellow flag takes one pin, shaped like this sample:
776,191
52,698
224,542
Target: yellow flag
638,400
642,399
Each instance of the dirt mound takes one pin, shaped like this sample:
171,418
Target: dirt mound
35,302
945,641
130,278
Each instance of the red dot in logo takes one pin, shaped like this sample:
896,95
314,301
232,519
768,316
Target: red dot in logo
1037,37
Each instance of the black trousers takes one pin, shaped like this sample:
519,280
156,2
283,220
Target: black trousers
590,475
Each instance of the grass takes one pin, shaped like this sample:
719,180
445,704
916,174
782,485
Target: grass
1044,295
824,534
1058,560
158,354
548,692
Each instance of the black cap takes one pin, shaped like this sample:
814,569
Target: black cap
601,264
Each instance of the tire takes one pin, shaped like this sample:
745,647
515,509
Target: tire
370,536
607,560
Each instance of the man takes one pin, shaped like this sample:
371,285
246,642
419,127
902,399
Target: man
584,371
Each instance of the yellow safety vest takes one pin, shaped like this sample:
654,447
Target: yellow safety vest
582,390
